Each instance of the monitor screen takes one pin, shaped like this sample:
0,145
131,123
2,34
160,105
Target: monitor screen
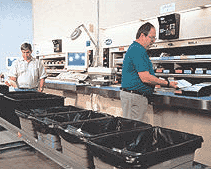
9,61
76,61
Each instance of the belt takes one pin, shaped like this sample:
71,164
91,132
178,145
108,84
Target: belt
26,88
132,91
149,97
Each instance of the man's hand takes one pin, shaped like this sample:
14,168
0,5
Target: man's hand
42,84
7,83
11,83
40,90
173,84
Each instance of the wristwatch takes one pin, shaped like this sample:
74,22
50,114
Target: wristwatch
168,83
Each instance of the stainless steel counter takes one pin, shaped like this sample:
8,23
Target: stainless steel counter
161,97
63,85
169,98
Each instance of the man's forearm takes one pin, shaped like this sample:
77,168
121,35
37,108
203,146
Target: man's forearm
146,77
42,84
12,82
13,79
153,80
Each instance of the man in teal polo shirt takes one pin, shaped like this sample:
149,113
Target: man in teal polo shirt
138,77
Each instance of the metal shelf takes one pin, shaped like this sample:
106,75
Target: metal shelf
56,71
184,75
51,64
54,64
119,49
181,43
118,61
53,56
183,61
119,73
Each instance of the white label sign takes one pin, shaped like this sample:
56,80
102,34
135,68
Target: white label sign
167,8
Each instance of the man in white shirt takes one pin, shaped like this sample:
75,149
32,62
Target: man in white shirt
27,73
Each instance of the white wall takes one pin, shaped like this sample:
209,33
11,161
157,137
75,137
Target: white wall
15,28
193,24
58,18
114,12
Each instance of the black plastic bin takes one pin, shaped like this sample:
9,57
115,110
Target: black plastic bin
32,99
27,100
44,112
90,129
2,128
61,115
145,148
7,111
27,117
4,89
74,135
43,121
46,126
3,105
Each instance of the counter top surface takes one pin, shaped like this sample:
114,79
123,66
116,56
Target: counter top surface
161,96
165,92
63,82
63,85
171,94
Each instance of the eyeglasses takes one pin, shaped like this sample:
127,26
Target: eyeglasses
152,38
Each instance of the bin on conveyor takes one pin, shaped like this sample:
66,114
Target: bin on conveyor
32,99
27,100
44,119
74,135
2,128
150,148
4,89
6,111
27,117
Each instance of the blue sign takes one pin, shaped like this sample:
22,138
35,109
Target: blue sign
108,41
9,61
88,43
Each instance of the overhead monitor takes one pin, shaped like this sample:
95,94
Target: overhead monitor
9,61
169,26
76,61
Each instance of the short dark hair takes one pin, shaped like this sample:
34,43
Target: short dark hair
145,29
26,46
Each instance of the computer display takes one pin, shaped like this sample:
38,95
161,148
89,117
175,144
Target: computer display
76,61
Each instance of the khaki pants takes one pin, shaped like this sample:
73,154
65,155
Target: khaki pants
135,106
